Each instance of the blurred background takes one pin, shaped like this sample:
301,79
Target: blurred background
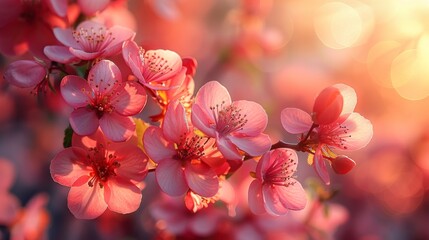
280,53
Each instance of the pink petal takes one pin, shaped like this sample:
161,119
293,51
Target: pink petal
271,197
255,198
156,146
166,63
132,160
84,121
228,149
131,100
170,177
122,196
7,173
254,146
116,127
205,224
202,121
255,115
201,179
175,125
320,166
285,155
60,54
86,202
89,141
359,132
121,34
212,94
90,7
131,55
69,165
82,54
263,164
349,98
295,120
76,91
327,106
292,197
65,36
25,73
9,208
59,7
104,77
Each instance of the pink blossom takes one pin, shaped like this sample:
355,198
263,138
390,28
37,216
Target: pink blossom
237,126
350,131
89,41
90,7
275,191
180,155
25,73
156,69
27,25
104,100
101,175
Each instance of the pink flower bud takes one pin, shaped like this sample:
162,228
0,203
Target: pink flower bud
25,73
343,164
327,106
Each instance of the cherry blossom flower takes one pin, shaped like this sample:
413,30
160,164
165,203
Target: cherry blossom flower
103,101
155,69
27,73
27,25
349,131
237,126
89,41
180,155
275,191
100,175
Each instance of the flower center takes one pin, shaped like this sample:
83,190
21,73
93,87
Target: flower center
93,40
103,165
155,66
227,118
191,148
281,172
334,135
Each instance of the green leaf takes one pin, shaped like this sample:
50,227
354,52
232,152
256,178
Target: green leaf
68,133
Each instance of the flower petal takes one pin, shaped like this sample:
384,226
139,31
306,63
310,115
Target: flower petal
170,177
349,98
255,198
254,146
201,179
69,165
295,120
75,91
175,124
116,127
131,55
212,94
327,106
156,146
84,121
65,36
202,121
359,132
104,77
121,34
320,166
60,54
90,7
271,197
292,197
255,116
122,196
86,202
228,149
82,54
25,73
89,141
132,160
9,208
160,65
131,100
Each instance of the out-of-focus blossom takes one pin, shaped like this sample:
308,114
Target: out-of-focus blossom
103,101
101,175
25,73
90,7
27,25
237,126
275,191
117,13
90,40
155,69
180,155
349,131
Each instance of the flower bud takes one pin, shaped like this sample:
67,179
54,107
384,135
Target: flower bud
25,73
327,106
342,164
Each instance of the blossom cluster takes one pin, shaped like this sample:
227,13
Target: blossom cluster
196,142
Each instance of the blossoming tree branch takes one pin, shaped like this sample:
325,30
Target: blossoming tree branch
199,139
